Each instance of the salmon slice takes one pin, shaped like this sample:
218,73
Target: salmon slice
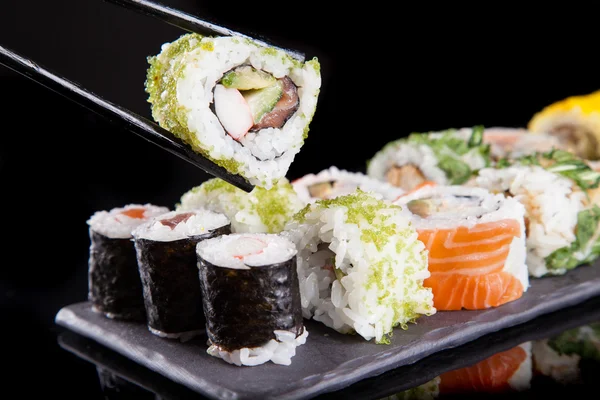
491,375
473,292
466,265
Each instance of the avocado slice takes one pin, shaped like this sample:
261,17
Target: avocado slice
262,101
247,77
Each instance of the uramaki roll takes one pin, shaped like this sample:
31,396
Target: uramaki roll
166,254
333,182
114,286
251,298
260,211
560,193
245,106
360,265
476,243
447,157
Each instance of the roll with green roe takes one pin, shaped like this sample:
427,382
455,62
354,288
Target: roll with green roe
245,106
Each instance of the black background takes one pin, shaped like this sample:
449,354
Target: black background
387,69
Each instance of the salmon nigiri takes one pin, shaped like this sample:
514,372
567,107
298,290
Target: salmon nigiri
476,243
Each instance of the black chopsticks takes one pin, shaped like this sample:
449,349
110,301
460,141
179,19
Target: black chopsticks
118,115
190,23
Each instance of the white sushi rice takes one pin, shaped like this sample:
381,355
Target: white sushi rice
552,203
419,155
345,182
243,251
468,207
279,351
260,211
200,222
116,225
375,281
263,156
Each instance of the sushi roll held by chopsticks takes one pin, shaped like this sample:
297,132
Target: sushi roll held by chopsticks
251,298
114,285
166,255
244,106
476,243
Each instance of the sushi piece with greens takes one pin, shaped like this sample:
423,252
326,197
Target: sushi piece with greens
449,157
562,216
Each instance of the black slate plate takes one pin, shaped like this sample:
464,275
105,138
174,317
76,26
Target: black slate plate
133,377
328,361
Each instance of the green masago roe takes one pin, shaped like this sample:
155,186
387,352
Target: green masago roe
261,210
161,85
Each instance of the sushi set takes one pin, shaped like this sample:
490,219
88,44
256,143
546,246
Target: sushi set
295,288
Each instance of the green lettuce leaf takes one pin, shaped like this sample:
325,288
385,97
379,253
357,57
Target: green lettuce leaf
587,228
452,151
561,162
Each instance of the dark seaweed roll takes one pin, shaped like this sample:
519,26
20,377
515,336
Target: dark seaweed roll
166,254
114,286
251,298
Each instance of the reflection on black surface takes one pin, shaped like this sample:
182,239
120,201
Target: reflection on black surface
115,387
558,353
566,360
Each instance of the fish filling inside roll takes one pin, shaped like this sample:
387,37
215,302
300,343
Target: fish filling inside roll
406,177
247,99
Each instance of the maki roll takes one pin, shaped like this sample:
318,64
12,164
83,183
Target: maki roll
260,211
361,266
114,286
506,372
448,157
575,122
517,142
476,243
334,182
251,298
166,255
560,195
244,106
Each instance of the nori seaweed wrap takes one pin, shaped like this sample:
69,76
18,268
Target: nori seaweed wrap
251,298
166,255
114,286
